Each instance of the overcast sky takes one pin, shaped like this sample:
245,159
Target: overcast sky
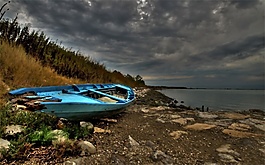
193,43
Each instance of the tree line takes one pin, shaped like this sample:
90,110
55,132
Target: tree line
64,61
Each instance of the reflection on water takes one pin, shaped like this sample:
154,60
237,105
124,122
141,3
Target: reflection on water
219,99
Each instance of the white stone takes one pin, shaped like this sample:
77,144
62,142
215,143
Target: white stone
4,144
207,115
13,129
133,142
87,147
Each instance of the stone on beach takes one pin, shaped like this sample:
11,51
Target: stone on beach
160,120
13,129
200,126
175,116
89,126
87,147
4,144
240,134
227,158
183,121
159,108
162,157
232,115
177,134
239,126
100,130
133,142
226,148
207,115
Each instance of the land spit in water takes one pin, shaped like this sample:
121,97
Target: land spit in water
155,131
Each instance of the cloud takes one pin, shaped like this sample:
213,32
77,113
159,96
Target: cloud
162,40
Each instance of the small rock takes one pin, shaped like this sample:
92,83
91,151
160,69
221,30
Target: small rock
162,157
87,147
118,159
133,142
68,162
110,120
77,161
159,108
226,149
13,129
100,130
160,120
207,115
150,144
227,158
145,110
4,144
60,124
175,116
177,134
260,126
88,125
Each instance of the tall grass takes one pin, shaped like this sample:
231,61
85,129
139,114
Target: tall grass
17,69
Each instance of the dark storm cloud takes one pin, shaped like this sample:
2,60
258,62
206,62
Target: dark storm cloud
175,42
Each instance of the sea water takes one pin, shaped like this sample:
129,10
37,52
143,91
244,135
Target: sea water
219,99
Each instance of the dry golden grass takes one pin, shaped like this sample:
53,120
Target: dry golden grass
17,69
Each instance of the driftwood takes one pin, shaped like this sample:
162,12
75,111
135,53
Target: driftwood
31,103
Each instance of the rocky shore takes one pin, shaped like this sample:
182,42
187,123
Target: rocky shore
157,130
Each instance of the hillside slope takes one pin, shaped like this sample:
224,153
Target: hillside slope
17,69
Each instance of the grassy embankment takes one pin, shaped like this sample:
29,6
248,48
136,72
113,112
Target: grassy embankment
17,69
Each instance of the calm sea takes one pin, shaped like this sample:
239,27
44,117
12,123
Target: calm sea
232,100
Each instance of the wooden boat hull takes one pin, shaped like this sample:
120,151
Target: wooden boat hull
79,102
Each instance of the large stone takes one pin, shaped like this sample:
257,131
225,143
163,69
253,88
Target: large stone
13,129
239,126
240,134
183,121
4,144
200,126
87,147
233,115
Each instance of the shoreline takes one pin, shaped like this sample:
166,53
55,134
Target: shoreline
215,100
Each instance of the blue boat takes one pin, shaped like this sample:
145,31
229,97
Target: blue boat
75,102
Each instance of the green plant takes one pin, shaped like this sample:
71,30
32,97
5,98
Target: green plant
4,118
75,131
44,136
18,149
